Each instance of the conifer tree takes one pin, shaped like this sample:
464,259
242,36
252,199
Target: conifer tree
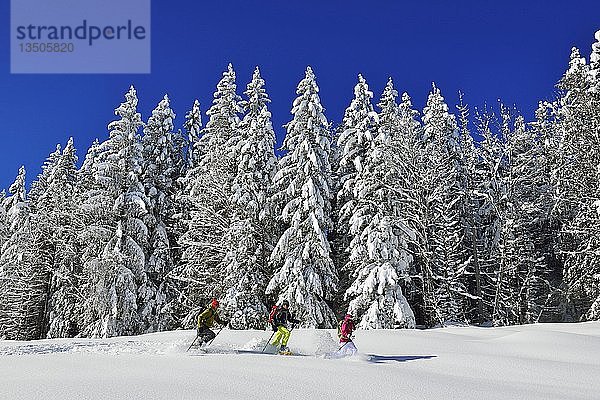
39,186
22,283
249,241
469,205
379,248
207,191
577,183
115,306
489,208
353,147
304,271
441,259
161,158
526,276
57,209
192,126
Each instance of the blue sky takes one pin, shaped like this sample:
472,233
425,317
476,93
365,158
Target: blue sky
515,51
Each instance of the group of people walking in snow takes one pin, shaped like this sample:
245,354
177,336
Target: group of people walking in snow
280,320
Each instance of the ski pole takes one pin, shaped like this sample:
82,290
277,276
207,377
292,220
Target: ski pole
208,344
196,338
344,345
268,341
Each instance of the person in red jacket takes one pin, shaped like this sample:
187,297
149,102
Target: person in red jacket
345,330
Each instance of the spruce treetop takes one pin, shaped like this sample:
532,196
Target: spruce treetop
193,122
17,189
225,108
256,94
130,121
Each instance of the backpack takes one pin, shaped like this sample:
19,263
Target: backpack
274,310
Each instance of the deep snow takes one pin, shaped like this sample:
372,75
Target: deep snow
546,361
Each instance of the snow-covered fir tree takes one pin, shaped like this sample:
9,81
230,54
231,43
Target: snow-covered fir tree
379,259
595,66
42,228
39,186
207,191
184,203
4,229
353,146
92,211
440,261
577,184
489,209
522,280
119,203
304,271
469,206
161,168
23,285
57,214
192,126
222,125
249,237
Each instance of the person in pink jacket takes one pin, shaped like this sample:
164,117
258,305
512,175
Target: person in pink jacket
345,330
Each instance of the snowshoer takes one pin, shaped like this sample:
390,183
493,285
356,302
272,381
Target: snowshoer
206,320
280,321
345,330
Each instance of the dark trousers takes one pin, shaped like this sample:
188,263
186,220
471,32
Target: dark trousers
205,334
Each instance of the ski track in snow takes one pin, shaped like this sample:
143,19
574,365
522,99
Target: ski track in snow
322,341
546,361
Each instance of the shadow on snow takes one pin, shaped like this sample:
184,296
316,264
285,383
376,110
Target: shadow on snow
374,358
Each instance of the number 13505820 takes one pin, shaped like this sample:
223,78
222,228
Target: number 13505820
35,47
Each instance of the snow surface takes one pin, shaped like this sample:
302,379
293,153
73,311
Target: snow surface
546,361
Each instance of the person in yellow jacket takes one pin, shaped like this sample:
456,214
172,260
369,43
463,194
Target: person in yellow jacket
280,320
206,320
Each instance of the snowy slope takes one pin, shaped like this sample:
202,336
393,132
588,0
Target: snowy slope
550,361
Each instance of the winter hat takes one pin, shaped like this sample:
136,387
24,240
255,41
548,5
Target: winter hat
214,303
285,303
347,316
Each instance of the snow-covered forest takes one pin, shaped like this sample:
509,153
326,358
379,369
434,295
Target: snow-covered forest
400,216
